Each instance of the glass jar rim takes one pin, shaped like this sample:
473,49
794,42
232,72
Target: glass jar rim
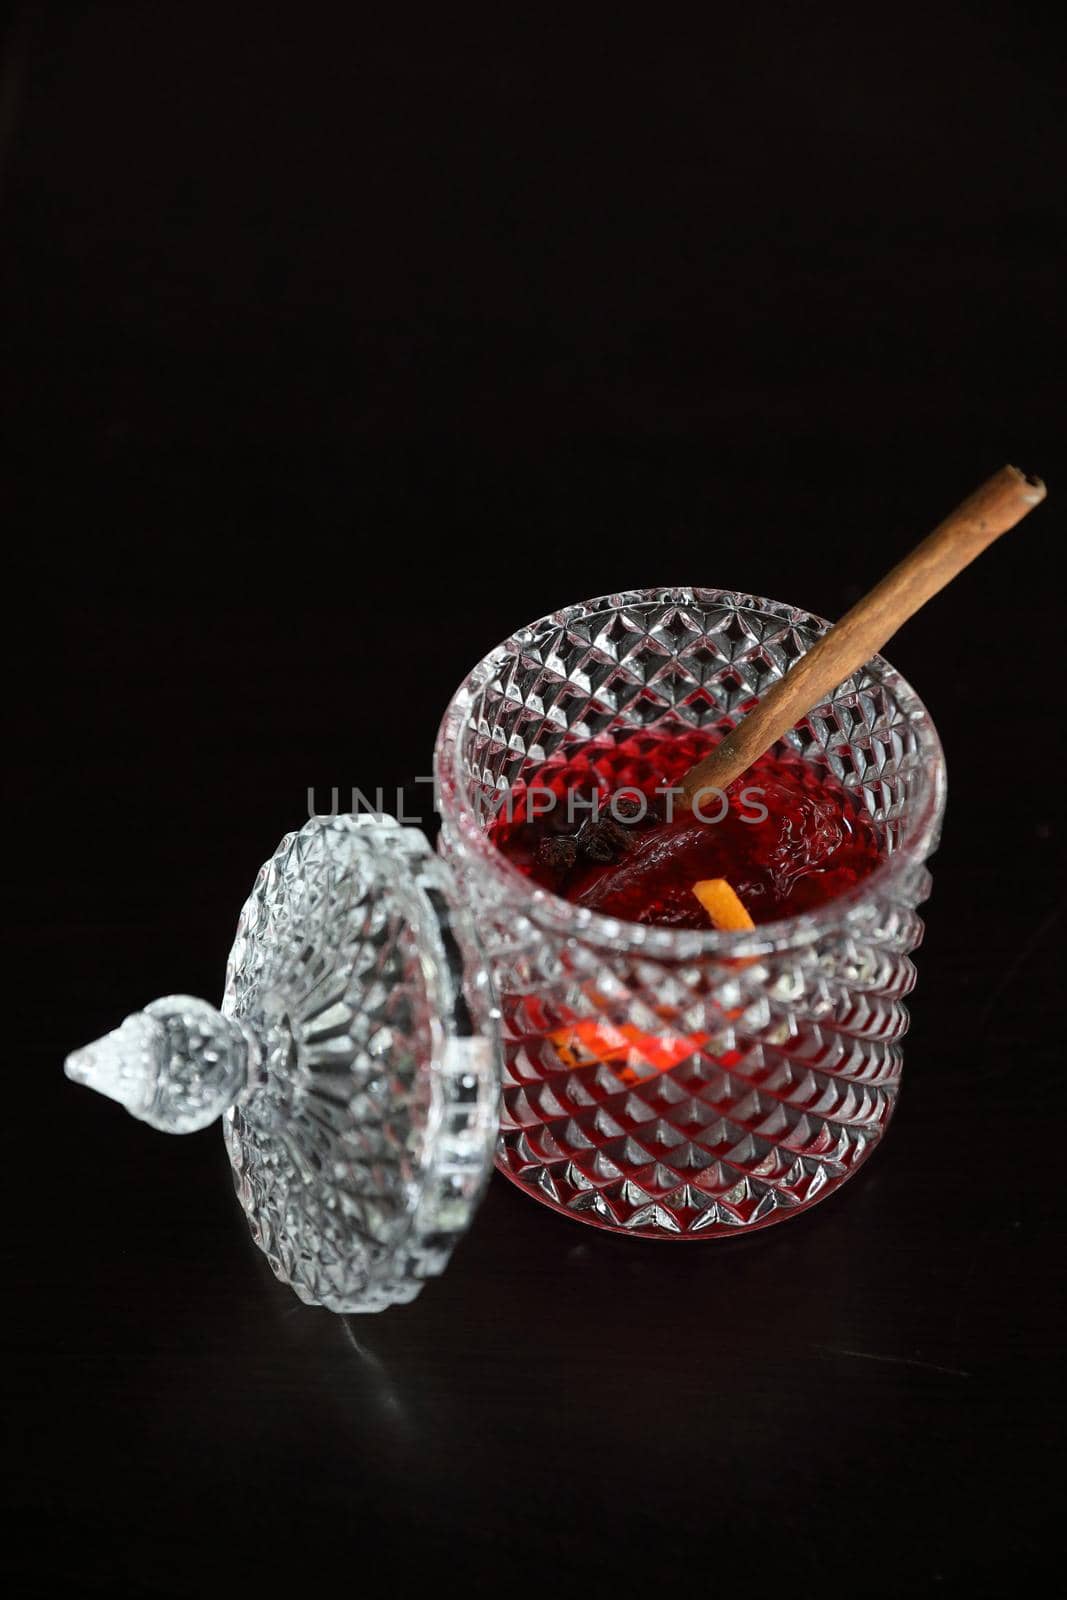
552,911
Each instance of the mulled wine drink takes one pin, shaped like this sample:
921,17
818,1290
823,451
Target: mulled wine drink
701,1016
604,829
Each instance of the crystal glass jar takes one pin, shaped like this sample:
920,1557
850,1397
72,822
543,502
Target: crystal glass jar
392,1017
784,1043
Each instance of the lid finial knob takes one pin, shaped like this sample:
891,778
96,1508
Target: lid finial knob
176,1065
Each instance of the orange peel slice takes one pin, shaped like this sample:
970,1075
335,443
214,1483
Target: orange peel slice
720,901
624,1048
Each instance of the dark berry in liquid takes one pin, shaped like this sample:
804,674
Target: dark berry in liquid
815,842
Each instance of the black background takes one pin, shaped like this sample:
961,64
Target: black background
337,344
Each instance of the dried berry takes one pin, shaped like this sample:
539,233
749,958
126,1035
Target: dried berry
603,840
632,809
558,853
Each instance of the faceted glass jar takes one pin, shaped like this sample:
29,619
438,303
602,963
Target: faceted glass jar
782,1045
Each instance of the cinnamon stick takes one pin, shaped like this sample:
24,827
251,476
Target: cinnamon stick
991,510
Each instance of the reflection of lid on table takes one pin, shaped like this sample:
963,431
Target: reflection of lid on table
355,1058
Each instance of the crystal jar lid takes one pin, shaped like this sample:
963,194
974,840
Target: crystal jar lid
354,1062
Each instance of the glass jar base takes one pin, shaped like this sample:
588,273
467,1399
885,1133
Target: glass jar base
647,1218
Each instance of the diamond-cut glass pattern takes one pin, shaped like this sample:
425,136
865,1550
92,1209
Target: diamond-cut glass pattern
361,1150
679,1085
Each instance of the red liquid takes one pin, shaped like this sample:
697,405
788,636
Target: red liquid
686,1112
790,839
